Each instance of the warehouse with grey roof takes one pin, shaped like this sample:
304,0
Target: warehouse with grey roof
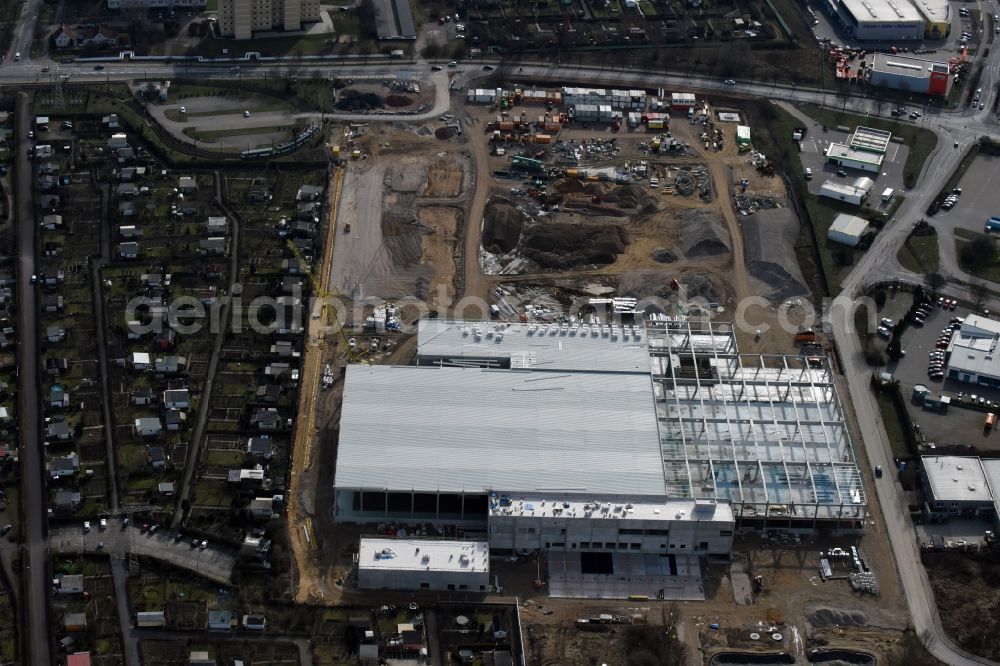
658,438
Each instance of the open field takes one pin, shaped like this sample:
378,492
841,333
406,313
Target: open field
920,254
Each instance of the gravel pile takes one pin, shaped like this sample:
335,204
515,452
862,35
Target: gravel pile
703,234
769,239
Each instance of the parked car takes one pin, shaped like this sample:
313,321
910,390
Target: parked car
887,322
86,526
103,524
6,529
878,471
203,545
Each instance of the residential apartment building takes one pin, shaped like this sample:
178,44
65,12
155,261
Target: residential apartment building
241,18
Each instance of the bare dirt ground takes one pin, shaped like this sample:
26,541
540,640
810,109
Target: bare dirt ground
434,237
384,199
965,587
438,244
445,176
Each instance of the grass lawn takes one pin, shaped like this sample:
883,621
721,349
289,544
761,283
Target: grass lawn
215,135
837,259
920,141
991,272
893,428
270,46
216,458
212,493
920,254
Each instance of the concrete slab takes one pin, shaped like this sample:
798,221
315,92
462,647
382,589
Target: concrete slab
633,576
742,588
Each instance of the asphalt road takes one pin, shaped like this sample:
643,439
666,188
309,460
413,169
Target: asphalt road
34,502
214,563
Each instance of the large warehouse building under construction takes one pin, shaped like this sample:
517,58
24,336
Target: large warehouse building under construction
602,445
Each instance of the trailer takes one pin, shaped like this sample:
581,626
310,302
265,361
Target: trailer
526,164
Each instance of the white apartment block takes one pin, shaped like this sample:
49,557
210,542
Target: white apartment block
240,19
198,5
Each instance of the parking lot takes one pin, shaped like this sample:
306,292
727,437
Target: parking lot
978,200
213,562
814,146
825,28
959,426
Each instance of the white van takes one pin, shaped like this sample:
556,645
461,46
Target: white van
809,173
17,57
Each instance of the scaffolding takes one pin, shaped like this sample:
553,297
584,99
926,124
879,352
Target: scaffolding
763,432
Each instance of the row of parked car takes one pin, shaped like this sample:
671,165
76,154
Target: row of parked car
936,357
952,199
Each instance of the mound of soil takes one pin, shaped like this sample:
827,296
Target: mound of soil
663,255
769,238
503,226
567,185
700,286
703,234
397,101
353,100
827,617
444,133
561,246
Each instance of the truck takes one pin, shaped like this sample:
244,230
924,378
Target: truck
990,422
526,163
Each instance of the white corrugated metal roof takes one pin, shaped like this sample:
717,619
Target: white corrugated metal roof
538,346
849,225
465,429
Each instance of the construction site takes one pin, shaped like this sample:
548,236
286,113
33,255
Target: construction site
606,230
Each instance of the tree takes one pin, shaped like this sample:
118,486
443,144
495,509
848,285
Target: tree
978,254
366,19
934,281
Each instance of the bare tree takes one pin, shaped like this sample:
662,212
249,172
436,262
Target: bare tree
934,281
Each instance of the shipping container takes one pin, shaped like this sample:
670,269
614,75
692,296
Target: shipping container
655,124
552,128
543,138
